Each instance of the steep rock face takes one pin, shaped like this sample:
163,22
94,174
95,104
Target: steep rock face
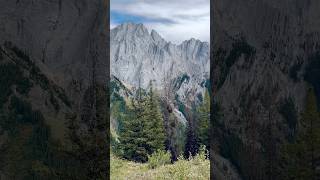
138,56
64,37
260,53
67,42
31,83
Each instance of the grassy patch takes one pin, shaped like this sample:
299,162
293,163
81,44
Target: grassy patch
197,167
159,158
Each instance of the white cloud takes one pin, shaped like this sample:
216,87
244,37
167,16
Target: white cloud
175,20
113,25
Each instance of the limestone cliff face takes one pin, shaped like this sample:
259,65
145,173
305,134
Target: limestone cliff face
138,56
66,39
66,42
261,50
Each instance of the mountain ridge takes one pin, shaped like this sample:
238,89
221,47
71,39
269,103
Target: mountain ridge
138,56
152,32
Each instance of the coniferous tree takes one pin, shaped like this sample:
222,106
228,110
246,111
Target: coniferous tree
203,120
192,145
155,124
192,137
133,138
143,128
302,157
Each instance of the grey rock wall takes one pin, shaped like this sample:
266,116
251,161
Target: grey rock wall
138,56
259,54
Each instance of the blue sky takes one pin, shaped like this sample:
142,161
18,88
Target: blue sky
121,17
175,20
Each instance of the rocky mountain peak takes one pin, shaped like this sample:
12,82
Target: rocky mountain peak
139,57
130,31
193,44
156,37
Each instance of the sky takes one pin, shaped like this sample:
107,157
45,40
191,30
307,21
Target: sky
174,20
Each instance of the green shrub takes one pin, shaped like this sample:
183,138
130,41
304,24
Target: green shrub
159,158
202,155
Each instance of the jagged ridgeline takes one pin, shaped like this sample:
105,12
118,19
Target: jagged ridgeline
159,94
53,90
265,73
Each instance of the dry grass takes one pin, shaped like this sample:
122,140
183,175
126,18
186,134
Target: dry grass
196,168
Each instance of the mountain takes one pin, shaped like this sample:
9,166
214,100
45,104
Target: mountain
53,115
266,56
138,57
179,73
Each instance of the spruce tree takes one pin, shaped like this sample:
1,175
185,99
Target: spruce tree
133,138
143,129
192,145
155,124
311,137
203,120
302,156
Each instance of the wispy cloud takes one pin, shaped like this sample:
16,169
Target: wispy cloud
175,20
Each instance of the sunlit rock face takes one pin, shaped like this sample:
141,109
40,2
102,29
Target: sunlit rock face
139,56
